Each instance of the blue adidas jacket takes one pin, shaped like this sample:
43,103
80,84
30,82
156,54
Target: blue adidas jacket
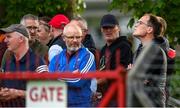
79,92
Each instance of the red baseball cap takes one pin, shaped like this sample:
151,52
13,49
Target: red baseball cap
59,21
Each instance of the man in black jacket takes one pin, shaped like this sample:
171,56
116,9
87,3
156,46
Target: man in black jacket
117,51
114,43
147,30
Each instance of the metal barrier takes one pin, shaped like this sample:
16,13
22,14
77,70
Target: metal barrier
135,85
172,102
119,75
136,95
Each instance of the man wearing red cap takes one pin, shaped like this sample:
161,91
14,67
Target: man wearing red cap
57,44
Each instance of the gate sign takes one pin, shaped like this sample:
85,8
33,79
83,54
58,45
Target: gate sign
46,94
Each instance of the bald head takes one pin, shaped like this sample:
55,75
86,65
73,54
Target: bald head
72,29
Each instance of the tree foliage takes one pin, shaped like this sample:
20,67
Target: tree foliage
175,84
11,11
168,9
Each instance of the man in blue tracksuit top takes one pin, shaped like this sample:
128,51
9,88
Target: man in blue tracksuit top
75,58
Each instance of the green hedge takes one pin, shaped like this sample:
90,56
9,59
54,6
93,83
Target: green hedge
175,81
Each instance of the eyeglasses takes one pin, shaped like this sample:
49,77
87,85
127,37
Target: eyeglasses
73,37
141,22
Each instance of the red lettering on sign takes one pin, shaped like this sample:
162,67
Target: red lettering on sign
51,89
46,94
35,96
43,94
59,94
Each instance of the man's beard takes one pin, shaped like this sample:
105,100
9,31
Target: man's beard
73,49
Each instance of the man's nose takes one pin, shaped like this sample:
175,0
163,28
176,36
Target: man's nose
32,30
75,39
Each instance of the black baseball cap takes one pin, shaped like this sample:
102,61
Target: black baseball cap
16,28
109,20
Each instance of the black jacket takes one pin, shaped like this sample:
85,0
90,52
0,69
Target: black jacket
57,41
164,44
119,51
155,79
88,42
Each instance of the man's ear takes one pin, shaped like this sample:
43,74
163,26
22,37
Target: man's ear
119,28
21,38
101,29
149,29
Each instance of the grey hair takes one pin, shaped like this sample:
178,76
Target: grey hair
80,19
24,37
28,16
